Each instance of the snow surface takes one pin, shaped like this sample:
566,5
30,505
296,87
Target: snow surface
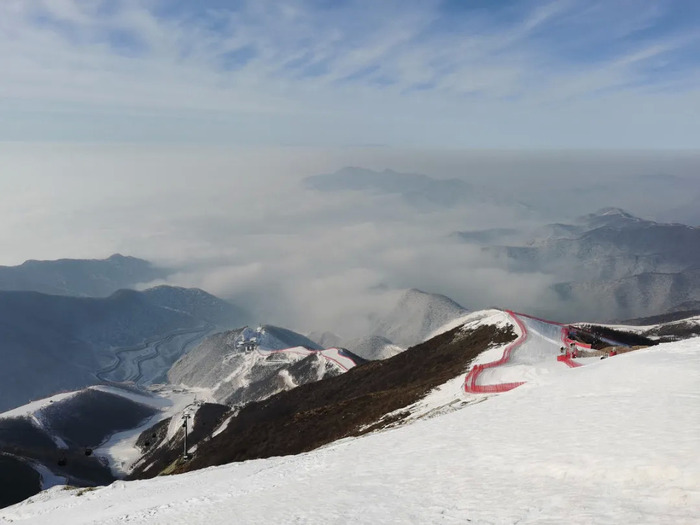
243,365
32,408
497,318
613,442
120,451
535,354
332,355
48,478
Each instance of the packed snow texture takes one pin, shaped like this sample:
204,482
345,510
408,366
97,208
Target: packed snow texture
612,442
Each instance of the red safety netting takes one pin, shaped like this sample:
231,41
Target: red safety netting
470,381
473,375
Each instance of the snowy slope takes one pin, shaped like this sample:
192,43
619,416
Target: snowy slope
536,352
107,418
613,442
246,365
52,435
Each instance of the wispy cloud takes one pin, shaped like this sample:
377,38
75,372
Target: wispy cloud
351,71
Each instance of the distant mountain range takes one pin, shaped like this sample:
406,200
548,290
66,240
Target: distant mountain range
50,343
79,277
416,189
612,265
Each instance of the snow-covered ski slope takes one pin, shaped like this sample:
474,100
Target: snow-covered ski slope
252,364
608,443
118,446
337,356
265,344
535,352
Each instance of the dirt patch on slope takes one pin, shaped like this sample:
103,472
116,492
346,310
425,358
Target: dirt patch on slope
315,414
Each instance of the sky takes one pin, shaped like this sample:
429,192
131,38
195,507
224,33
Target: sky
497,74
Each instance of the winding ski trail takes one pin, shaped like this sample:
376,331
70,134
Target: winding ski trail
334,355
534,352
138,359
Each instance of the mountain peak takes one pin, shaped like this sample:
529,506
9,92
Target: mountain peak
415,315
611,211
609,217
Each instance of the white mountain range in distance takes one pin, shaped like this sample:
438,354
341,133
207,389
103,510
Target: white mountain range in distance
609,265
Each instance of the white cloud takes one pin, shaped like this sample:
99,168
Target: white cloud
386,72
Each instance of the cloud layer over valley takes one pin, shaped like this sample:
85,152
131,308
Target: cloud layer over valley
242,224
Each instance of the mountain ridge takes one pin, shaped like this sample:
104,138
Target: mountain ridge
79,277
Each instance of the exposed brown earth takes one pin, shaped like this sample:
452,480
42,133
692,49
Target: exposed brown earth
351,404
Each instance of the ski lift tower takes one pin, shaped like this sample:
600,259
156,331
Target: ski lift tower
185,418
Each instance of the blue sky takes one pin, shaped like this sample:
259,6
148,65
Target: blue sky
431,73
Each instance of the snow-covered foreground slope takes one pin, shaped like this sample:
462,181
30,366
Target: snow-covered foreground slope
611,442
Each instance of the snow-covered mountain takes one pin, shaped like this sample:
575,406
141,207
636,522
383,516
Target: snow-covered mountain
88,437
79,277
607,245
644,294
610,441
416,315
53,436
52,343
489,351
612,265
246,365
